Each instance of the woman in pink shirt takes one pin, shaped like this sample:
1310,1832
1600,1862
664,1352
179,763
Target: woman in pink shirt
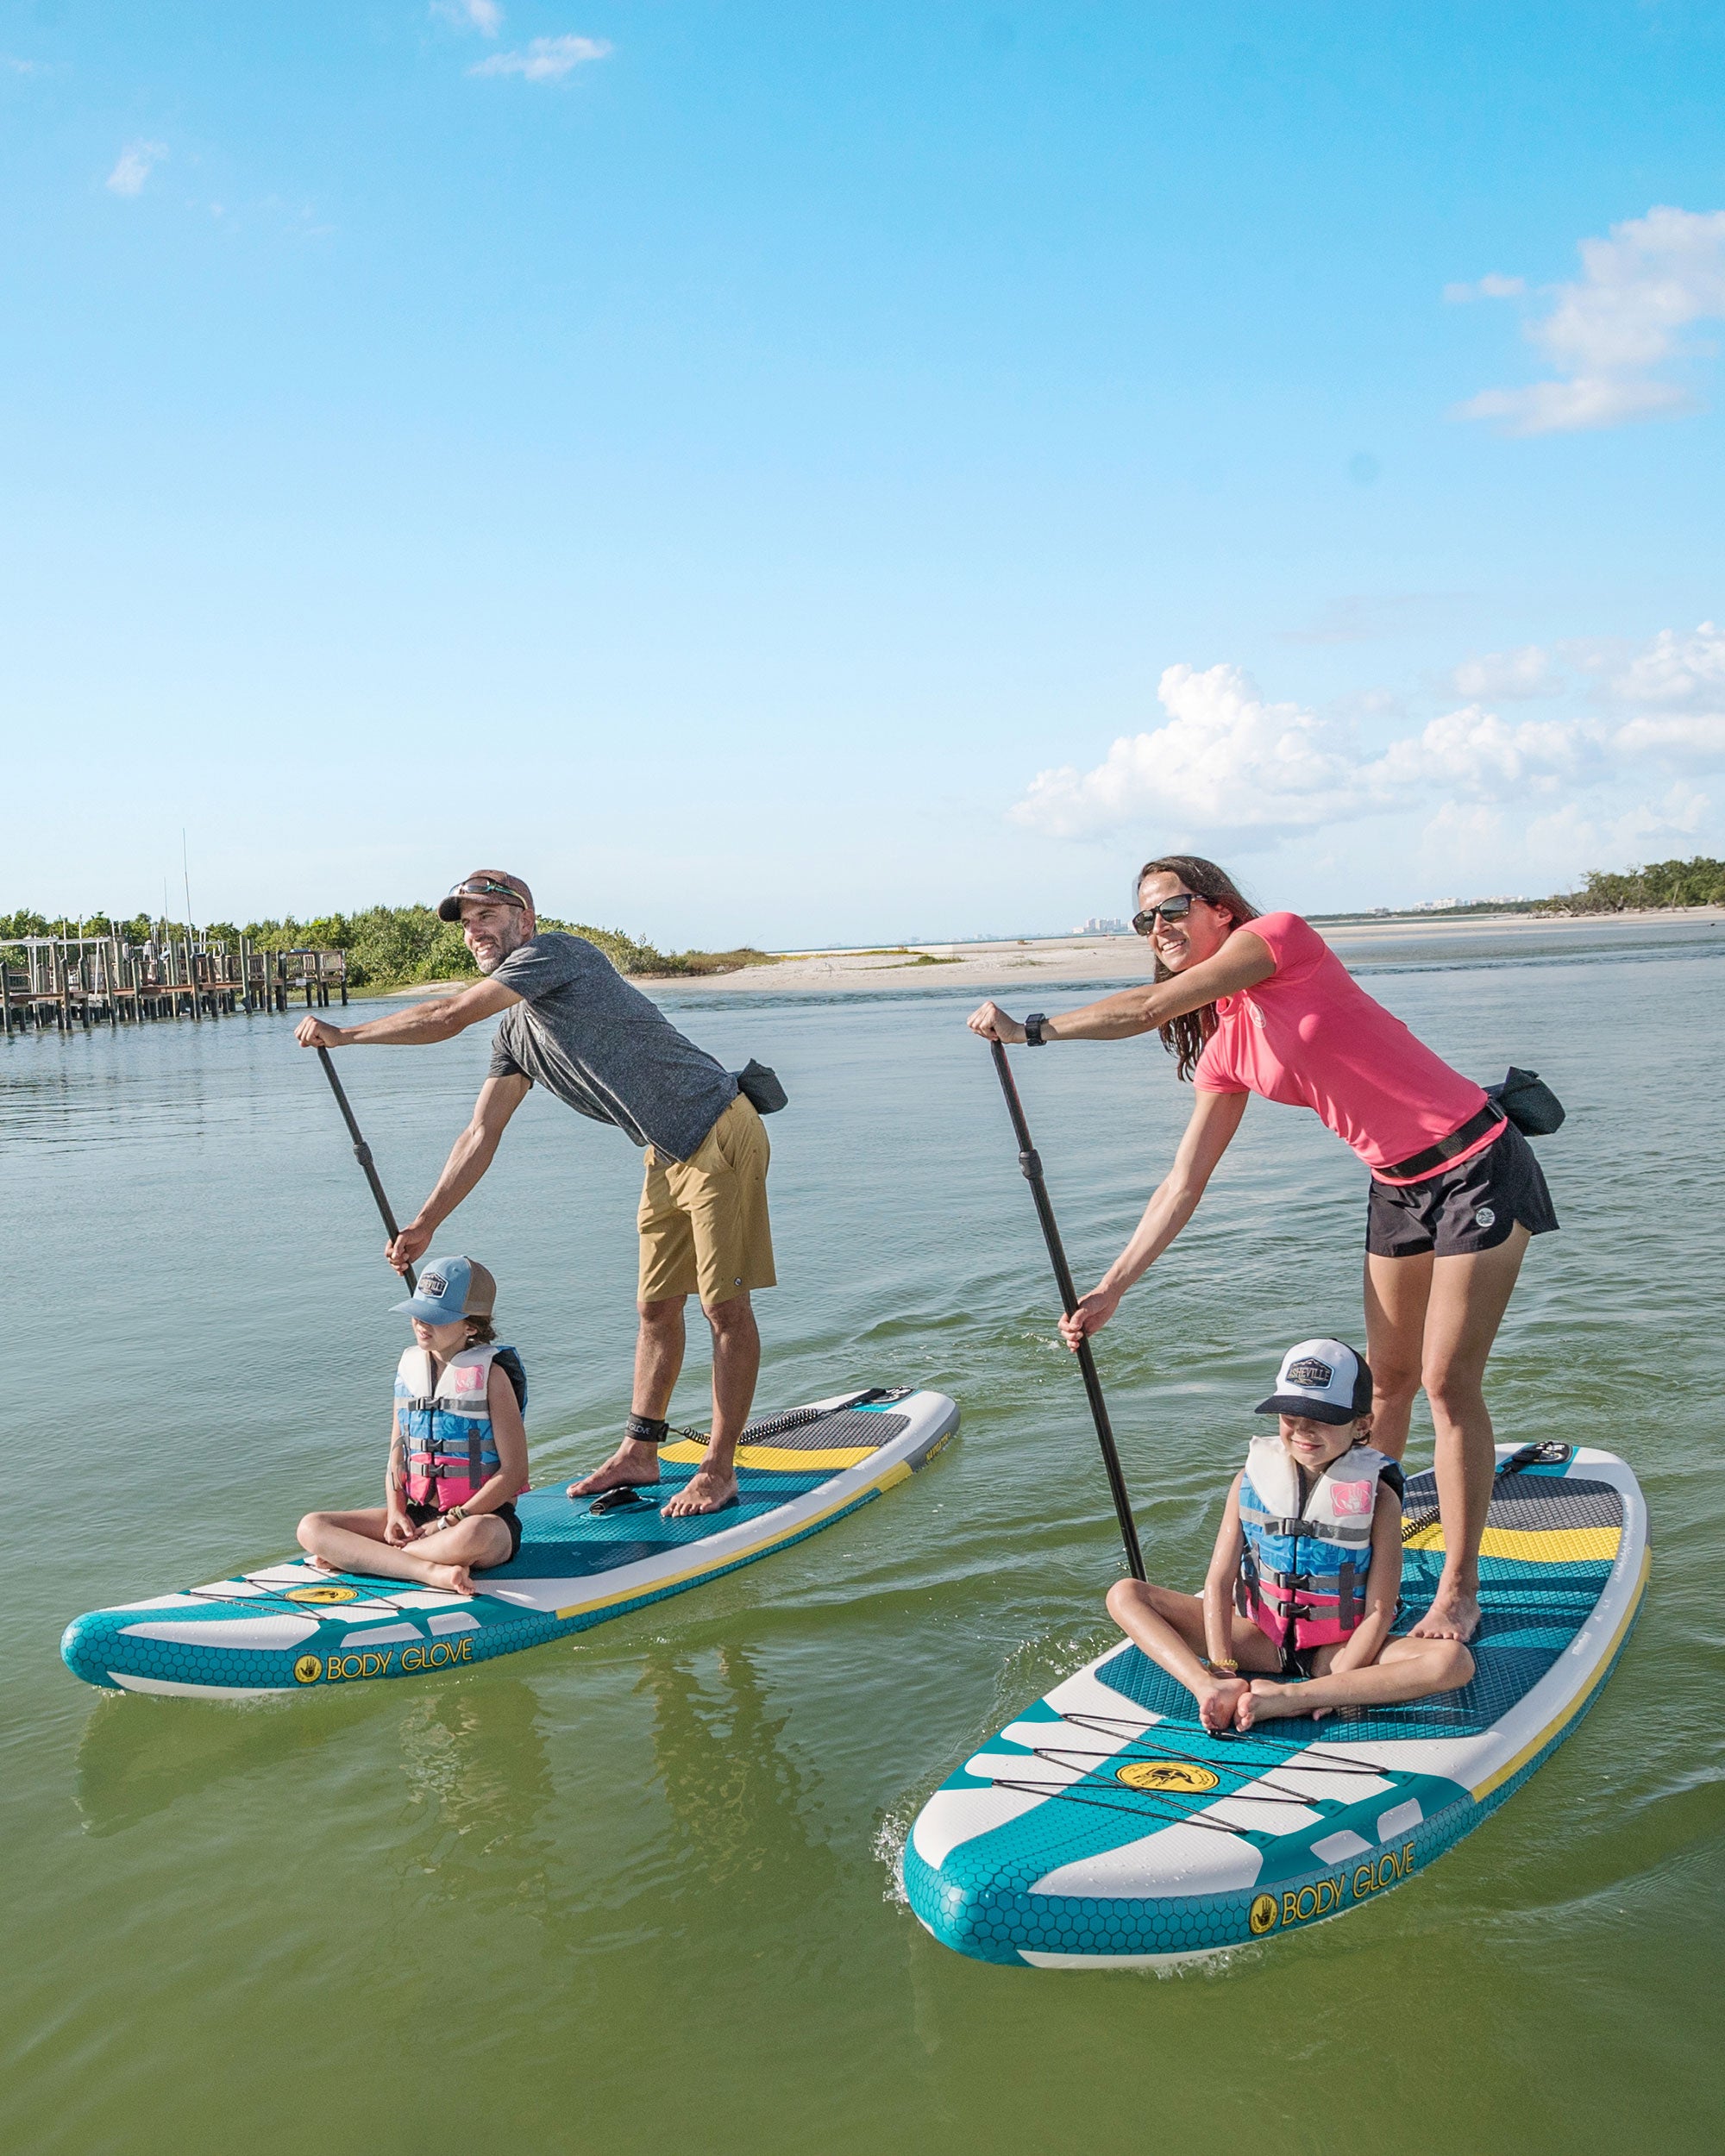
1253,1002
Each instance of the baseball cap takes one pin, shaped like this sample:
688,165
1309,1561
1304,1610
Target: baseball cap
1322,1379
485,883
451,1288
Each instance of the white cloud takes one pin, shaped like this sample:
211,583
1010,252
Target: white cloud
136,162
483,16
1225,760
1508,675
1478,754
1674,672
1650,279
546,59
1491,286
1228,766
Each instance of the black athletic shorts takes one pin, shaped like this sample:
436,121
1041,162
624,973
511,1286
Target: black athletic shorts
1469,1207
426,1516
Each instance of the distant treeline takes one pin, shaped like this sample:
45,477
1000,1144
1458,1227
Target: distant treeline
1697,882
388,946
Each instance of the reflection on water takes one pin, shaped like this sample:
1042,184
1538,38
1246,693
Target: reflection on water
739,1800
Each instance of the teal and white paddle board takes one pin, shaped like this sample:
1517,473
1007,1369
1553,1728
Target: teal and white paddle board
1104,1828
290,1627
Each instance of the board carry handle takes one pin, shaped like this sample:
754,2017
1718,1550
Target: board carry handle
362,1153
1030,1165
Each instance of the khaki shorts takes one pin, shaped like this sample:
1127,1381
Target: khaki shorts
703,1221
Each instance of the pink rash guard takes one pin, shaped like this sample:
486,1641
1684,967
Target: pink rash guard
1311,1037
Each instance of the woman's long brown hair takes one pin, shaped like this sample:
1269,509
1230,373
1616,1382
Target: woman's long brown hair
1185,1036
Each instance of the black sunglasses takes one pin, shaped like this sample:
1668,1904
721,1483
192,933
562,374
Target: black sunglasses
1174,909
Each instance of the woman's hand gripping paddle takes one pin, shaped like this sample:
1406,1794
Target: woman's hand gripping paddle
1030,1161
362,1153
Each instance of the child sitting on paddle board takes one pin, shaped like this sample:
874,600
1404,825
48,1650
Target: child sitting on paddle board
1307,1570
457,1450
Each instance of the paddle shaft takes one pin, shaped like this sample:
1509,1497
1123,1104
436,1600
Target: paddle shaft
362,1153
1029,1163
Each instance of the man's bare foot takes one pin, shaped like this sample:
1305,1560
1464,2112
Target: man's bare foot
632,1466
1219,1702
709,1489
450,1579
1453,1615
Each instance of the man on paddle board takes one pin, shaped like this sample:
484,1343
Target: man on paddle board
570,1022
1258,1003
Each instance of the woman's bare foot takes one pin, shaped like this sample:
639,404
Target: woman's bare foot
708,1490
1453,1615
1219,1703
321,1565
634,1465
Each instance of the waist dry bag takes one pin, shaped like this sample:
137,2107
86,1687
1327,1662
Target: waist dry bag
1527,1101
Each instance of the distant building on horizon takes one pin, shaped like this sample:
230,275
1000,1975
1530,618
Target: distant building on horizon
1097,926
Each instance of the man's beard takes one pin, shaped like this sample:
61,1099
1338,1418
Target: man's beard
505,947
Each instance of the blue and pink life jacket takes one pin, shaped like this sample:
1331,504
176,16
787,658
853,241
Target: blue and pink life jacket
444,1424
1307,1551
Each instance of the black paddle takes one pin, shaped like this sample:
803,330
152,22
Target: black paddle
1030,1161
362,1153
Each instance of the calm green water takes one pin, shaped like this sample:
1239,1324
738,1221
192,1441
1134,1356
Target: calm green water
636,1892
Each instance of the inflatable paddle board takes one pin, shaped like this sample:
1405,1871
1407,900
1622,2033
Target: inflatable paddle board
290,1627
1104,1828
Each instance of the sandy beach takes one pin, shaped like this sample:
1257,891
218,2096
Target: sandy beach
1063,961
1059,961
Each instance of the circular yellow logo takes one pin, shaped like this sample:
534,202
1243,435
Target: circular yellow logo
1178,1775
1262,1915
322,1594
307,1669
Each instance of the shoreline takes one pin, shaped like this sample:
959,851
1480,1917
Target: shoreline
1062,961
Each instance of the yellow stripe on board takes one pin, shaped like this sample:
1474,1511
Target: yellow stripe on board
1536,1545
888,1480
777,1459
1538,1743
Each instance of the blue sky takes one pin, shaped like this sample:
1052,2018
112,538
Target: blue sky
806,474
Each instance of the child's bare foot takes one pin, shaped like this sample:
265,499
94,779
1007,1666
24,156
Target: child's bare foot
1265,1701
1219,1703
452,1579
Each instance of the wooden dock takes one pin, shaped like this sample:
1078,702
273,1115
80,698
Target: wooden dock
84,981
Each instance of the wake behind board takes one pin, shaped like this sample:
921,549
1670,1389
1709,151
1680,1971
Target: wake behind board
1104,1828
290,1627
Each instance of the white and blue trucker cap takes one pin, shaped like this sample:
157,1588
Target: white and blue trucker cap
451,1288
1322,1379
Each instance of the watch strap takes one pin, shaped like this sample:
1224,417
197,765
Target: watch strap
1033,1025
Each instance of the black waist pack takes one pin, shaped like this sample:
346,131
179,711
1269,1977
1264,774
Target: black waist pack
761,1086
1528,1102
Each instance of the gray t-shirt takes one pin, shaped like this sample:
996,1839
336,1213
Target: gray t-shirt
584,1034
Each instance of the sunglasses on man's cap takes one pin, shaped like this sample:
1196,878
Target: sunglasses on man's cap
449,909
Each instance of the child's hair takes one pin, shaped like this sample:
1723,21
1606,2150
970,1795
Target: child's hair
480,1332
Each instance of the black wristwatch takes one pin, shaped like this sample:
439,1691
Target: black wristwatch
1033,1025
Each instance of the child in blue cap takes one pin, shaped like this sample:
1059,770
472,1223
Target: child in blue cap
457,1448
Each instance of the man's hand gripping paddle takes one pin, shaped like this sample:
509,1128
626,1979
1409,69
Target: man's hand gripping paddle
1030,1161
362,1153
